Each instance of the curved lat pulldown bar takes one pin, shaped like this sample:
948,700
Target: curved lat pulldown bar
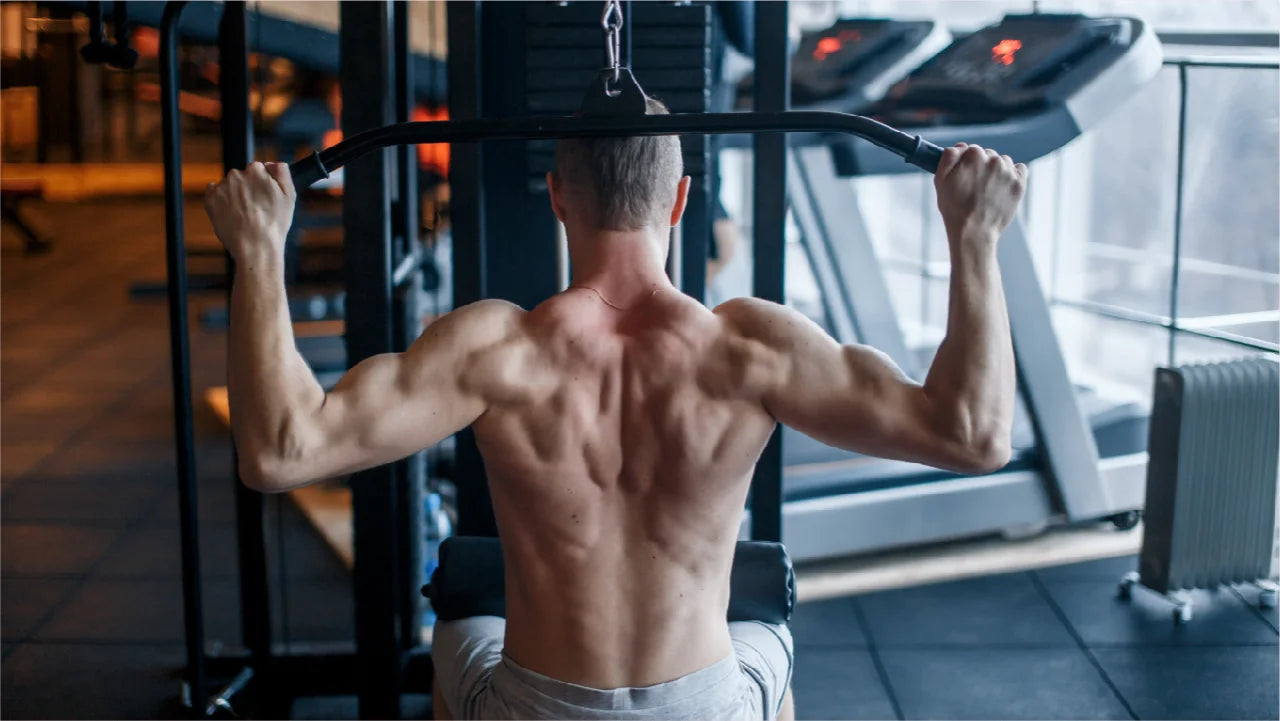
911,148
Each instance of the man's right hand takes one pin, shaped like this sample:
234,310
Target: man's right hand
251,211
978,192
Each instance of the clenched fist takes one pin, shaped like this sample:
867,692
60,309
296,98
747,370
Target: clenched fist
251,211
978,192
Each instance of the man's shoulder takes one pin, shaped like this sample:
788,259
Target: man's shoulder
491,314
490,310
477,324
755,318
744,308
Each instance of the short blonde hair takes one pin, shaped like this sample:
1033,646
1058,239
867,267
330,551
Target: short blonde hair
623,183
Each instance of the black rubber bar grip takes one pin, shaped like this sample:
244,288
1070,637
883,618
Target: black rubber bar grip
911,148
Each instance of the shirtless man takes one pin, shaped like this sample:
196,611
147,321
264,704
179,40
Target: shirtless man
619,422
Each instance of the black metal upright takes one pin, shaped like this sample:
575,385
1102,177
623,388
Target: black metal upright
696,226
237,153
520,265
470,233
404,219
410,472
180,356
367,99
769,182
466,212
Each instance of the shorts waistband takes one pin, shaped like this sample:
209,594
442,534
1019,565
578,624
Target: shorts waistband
626,698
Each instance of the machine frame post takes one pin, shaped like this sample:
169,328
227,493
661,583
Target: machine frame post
237,153
470,258
410,472
366,76
196,683
769,181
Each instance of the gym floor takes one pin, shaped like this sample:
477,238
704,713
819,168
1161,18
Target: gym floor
90,571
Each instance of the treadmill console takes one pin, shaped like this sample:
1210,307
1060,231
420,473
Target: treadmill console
853,63
1025,86
1023,63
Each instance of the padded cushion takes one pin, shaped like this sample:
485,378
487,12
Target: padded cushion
469,581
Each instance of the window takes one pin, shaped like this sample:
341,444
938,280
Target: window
1124,250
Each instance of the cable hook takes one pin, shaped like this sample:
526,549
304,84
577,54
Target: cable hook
611,22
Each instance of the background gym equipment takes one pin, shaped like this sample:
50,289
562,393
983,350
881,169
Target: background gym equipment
1026,86
853,63
314,269
265,675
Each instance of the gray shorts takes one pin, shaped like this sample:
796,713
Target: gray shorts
477,681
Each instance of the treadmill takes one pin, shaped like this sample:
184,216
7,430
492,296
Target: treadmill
1025,86
853,63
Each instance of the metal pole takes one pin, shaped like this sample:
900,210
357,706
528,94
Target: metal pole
365,44
180,357
410,473
773,92
466,195
627,57
1175,277
470,254
696,228
405,219
237,153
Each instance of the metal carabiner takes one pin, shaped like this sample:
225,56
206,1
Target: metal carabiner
611,21
611,18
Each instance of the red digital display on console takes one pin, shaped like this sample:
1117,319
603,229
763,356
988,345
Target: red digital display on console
832,44
1005,51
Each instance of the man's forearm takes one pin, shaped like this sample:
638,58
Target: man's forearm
972,378
269,384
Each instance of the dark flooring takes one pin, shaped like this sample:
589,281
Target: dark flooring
90,580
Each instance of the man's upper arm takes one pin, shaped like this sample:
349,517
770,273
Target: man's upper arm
391,405
849,396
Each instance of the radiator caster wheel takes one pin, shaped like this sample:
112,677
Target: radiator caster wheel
1126,521
1182,613
1124,591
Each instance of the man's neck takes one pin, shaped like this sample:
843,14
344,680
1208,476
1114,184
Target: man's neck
623,267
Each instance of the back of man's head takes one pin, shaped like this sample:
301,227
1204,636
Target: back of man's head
621,183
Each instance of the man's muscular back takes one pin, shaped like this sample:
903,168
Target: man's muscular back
619,446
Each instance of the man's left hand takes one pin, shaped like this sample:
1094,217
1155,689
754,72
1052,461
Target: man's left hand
251,211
